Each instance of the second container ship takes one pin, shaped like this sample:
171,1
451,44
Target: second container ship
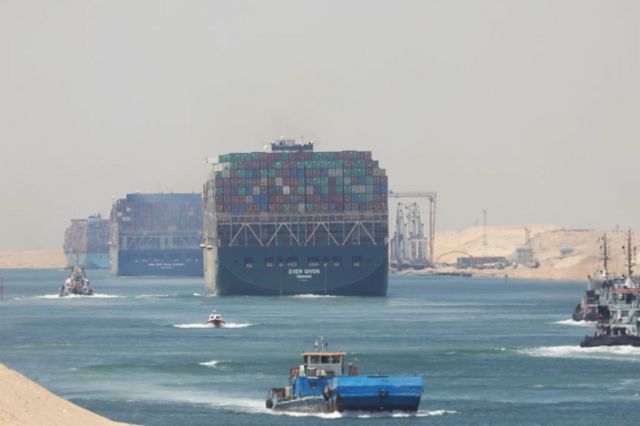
86,243
157,234
294,221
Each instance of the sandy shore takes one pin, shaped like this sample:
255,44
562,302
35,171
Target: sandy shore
563,254
23,402
32,259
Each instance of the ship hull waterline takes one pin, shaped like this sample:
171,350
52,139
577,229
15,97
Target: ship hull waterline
595,341
231,276
172,262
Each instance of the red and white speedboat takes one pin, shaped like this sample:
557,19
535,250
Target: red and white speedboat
215,319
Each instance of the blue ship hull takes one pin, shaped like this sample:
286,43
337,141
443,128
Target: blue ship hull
88,260
377,393
96,261
352,393
171,262
261,271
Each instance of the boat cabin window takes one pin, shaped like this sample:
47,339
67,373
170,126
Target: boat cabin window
324,359
315,359
336,359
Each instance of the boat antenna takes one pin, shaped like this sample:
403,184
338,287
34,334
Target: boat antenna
320,344
605,255
631,254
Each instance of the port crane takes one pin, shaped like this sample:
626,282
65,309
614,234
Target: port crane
430,197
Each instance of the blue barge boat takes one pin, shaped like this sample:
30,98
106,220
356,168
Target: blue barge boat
320,385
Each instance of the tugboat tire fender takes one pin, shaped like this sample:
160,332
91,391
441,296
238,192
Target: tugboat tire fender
326,393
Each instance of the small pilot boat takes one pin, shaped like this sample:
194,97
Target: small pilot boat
215,319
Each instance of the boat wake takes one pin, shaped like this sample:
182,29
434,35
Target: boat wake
212,363
609,353
237,325
315,296
79,296
363,415
196,325
204,325
153,296
203,295
575,323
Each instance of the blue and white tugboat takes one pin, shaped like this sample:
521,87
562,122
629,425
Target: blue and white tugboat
77,284
320,385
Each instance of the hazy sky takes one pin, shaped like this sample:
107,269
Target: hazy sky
529,109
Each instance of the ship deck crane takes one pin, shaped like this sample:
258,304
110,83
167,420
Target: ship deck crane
430,197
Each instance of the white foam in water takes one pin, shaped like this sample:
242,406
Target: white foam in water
205,325
575,323
237,325
196,325
314,296
362,414
610,353
202,295
152,296
211,363
79,296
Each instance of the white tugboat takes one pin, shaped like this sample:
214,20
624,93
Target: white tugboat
215,319
77,284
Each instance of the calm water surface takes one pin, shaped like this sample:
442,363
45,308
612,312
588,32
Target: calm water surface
490,352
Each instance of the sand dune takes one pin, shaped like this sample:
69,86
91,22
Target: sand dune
546,242
32,259
24,402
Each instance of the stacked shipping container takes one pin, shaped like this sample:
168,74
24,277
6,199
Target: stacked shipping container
159,213
86,242
157,234
299,183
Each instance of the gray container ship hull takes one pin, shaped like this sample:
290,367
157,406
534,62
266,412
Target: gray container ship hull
171,262
267,271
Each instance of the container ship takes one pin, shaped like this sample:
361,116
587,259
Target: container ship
157,234
86,243
293,221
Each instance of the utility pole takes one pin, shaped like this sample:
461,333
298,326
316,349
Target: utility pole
484,225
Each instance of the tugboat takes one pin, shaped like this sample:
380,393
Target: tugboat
319,385
597,289
618,322
215,319
77,284
587,309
